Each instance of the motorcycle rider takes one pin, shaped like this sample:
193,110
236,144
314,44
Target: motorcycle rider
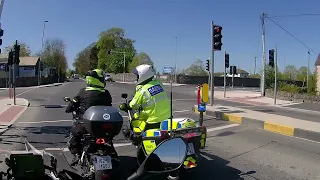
93,94
150,99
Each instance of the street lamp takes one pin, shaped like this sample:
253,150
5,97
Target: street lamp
124,61
175,61
39,67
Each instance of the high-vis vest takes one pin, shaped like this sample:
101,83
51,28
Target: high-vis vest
152,101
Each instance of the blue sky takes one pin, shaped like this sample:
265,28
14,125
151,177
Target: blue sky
154,25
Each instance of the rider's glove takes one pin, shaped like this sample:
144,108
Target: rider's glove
124,107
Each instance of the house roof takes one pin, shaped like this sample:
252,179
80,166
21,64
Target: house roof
24,61
242,71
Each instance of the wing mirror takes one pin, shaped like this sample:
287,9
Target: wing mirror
124,96
167,157
66,99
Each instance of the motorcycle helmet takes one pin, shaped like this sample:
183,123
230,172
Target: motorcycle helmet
96,78
143,73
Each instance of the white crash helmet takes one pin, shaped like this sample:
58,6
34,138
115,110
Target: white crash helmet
144,72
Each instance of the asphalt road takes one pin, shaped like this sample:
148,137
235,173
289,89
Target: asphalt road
233,151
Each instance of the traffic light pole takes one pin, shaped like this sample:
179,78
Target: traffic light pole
275,77
224,78
212,66
232,75
262,87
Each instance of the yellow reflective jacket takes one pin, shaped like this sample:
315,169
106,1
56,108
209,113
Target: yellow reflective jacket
152,101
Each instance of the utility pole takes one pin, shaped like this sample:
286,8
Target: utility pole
308,70
124,66
255,65
275,77
175,60
232,75
212,65
41,59
263,78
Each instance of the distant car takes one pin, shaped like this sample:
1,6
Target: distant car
76,76
108,78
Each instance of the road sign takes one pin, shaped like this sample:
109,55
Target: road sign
205,92
167,70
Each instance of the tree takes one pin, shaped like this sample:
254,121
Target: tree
94,56
24,49
290,72
302,74
114,39
69,72
141,58
54,55
196,69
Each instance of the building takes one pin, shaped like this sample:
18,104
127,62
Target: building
241,74
28,66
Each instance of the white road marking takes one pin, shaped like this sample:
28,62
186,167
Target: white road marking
181,111
206,157
25,91
222,127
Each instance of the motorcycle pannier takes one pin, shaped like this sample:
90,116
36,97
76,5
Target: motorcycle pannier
102,121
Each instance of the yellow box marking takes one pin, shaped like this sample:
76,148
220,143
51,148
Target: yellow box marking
232,118
286,130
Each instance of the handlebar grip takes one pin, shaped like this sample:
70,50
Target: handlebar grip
133,176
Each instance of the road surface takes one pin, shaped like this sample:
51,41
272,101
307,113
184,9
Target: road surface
233,151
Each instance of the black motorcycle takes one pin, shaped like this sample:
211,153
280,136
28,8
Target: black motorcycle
98,159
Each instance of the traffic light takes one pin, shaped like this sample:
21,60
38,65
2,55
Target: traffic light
217,36
208,66
233,70
1,34
16,54
10,58
271,57
226,60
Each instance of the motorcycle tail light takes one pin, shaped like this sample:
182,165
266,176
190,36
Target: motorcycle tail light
189,135
100,141
105,176
164,134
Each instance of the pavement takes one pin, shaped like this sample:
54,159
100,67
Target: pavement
233,151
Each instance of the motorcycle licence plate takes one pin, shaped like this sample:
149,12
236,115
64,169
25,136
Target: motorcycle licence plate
102,163
190,149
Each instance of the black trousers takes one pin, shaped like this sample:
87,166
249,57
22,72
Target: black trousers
77,132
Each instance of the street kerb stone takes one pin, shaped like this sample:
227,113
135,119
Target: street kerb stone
265,125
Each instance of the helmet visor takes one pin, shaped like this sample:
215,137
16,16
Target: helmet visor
135,72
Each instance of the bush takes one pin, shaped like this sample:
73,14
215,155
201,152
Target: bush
290,88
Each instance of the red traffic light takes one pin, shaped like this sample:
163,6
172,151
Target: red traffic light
218,29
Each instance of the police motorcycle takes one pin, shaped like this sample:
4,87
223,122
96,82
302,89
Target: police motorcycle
98,158
168,156
147,140
29,165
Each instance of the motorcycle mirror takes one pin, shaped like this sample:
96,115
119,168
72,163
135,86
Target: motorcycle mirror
66,99
167,157
124,95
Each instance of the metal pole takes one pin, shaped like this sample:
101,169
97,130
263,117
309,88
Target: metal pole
224,78
175,64
14,83
308,70
124,65
232,76
255,65
275,77
1,8
39,73
212,67
9,82
263,15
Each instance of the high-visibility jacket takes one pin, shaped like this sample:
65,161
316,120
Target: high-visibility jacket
152,102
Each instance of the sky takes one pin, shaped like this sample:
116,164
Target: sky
154,24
